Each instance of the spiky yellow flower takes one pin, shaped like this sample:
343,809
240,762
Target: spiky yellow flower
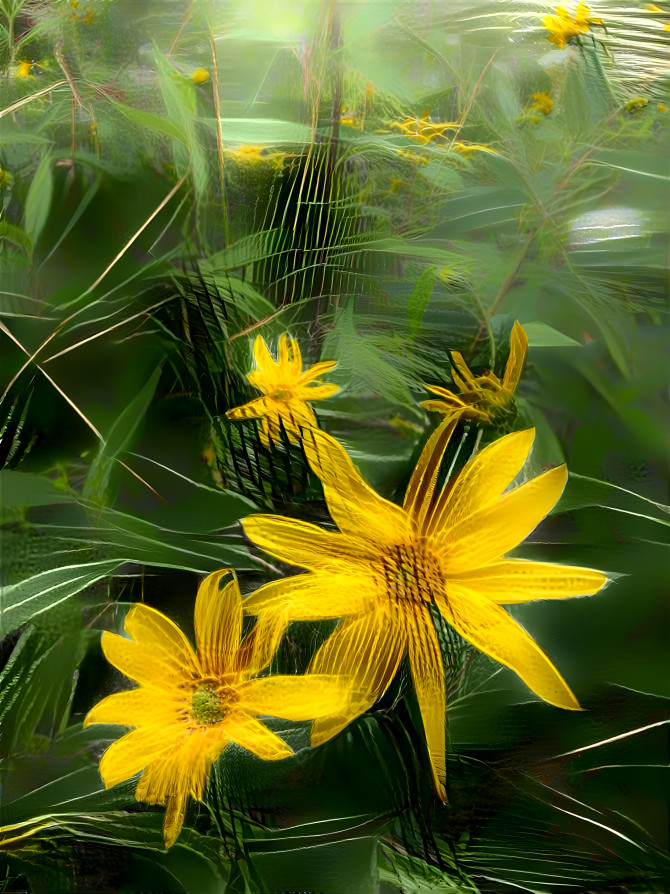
563,26
483,398
390,565
24,69
200,75
191,705
543,103
423,130
286,391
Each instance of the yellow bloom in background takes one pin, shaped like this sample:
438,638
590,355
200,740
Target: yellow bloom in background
636,104
286,392
388,566
423,130
256,155
662,107
191,705
563,26
482,398
87,19
466,149
25,68
542,102
200,75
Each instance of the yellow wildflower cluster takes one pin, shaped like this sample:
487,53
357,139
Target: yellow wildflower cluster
86,18
382,573
563,26
423,130
256,155
543,103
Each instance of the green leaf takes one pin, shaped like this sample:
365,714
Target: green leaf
38,200
418,300
582,491
152,122
97,487
16,235
20,489
23,601
541,335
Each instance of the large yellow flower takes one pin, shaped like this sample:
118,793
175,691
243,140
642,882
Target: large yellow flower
563,26
286,391
390,566
190,706
483,398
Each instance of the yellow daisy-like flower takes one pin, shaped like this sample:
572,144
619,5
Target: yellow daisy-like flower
191,705
200,75
563,26
389,565
542,102
286,391
483,398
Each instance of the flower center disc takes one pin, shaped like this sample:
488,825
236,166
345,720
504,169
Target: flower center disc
206,706
411,575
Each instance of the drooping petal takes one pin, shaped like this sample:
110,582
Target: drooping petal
419,495
283,352
136,750
218,622
368,650
481,481
295,360
489,533
135,707
259,646
295,698
318,369
302,544
175,812
355,507
253,735
159,636
520,580
489,628
318,392
158,671
425,661
314,597
462,375
517,358
252,410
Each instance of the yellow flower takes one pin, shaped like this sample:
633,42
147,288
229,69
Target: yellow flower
286,392
483,398
423,130
390,565
87,19
200,75
636,104
415,157
190,706
651,7
563,26
542,102
24,69
246,155
466,148
662,107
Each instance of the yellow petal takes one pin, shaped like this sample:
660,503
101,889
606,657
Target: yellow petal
158,635
283,353
448,396
488,534
356,509
419,495
314,597
252,410
138,662
520,580
490,629
318,369
259,646
134,751
482,480
185,768
253,735
295,360
462,375
318,392
367,650
175,813
135,707
264,359
425,661
517,358
294,698
218,622
302,544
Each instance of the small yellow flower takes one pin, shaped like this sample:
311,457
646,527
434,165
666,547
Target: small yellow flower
388,566
88,17
5,178
423,130
416,157
466,149
563,26
25,68
542,102
636,104
191,705
200,75
286,392
651,7
256,155
483,398
662,107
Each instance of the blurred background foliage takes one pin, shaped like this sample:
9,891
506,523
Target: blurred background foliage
387,181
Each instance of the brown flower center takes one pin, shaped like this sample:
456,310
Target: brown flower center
412,575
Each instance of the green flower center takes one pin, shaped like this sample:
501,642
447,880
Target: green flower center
206,706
